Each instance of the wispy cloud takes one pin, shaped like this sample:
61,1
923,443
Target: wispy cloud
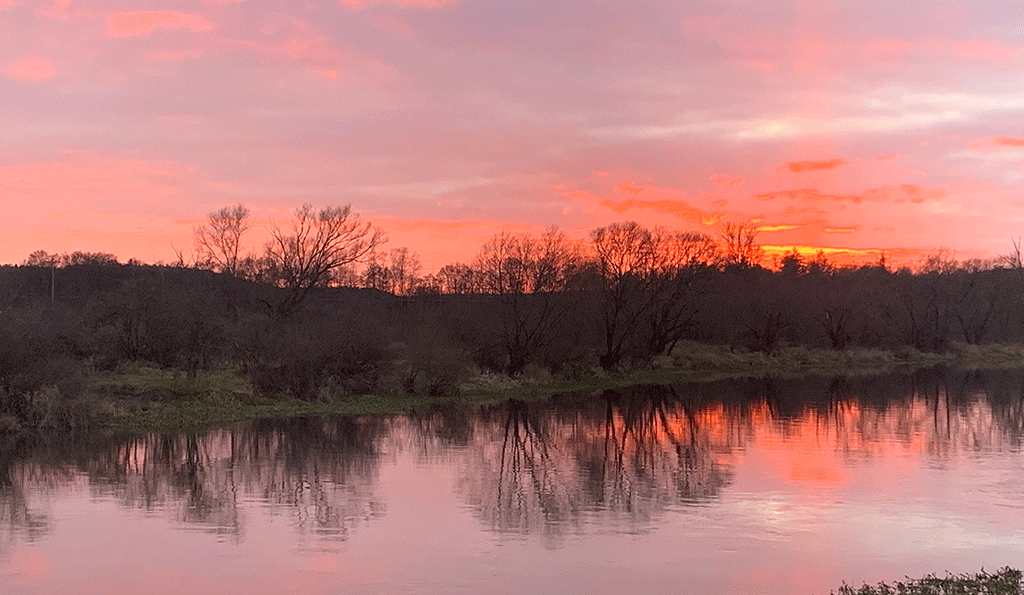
802,166
727,180
1008,141
676,208
30,69
426,4
145,22
893,194
779,227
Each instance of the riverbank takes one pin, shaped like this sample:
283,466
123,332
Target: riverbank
140,398
1007,581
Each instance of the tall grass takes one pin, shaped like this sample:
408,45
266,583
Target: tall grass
1007,581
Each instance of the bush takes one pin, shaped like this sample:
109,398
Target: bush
306,357
147,319
38,367
432,363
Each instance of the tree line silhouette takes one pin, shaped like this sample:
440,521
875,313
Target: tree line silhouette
322,308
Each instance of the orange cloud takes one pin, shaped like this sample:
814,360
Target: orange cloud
144,22
427,4
806,194
628,188
1008,141
998,144
850,229
304,44
179,55
904,193
661,200
802,166
58,10
895,194
979,49
30,69
677,208
970,49
725,180
780,227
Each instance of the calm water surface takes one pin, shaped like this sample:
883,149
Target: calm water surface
754,486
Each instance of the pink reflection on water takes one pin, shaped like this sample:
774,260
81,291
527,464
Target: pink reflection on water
653,496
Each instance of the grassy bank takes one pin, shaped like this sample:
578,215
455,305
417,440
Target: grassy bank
142,398
1007,581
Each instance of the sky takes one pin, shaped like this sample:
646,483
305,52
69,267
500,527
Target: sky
848,125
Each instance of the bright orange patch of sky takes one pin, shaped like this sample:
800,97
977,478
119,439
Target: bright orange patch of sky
835,125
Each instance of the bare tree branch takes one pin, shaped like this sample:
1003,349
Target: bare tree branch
218,241
304,254
739,245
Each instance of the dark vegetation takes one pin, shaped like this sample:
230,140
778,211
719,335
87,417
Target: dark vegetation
1007,581
323,312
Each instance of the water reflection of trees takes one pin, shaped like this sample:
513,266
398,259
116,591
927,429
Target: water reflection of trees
625,456
628,455
652,449
513,477
18,519
939,412
321,472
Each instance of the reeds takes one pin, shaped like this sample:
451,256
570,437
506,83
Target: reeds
1007,581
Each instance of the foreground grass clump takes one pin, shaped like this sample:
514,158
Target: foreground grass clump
142,398
698,357
1008,581
991,355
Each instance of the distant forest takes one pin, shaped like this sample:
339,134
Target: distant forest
323,307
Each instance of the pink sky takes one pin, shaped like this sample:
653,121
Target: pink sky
847,124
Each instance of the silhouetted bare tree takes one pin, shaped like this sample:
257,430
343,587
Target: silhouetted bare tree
625,257
218,242
739,245
650,280
42,258
457,278
397,273
303,255
530,275
679,277
78,258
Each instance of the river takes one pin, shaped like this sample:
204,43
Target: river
732,487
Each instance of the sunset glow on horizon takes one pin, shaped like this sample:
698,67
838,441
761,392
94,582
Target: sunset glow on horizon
855,128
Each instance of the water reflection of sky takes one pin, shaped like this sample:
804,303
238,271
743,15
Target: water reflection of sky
756,486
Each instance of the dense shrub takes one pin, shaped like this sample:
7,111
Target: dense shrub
40,365
303,357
